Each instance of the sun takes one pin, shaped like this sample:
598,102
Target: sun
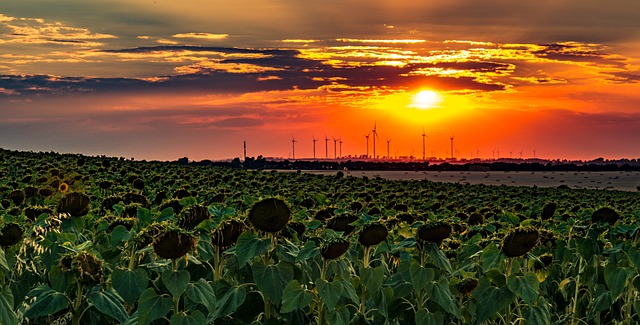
426,99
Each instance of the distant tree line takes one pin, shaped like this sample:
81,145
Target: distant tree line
262,163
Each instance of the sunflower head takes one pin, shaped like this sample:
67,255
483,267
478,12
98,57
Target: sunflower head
33,212
270,215
342,223
434,232
17,197
520,241
605,214
63,187
10,234
85,265
227,233
467,286
76,204
543,261
372,234
334,249
548,211
173,244
193,216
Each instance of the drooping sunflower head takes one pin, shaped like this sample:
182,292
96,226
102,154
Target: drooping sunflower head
173,244
192,216
270,215
227,233
466,286
434,232
88,268
10,234
548,211
75,204
334,249
519,241
373,234
605,214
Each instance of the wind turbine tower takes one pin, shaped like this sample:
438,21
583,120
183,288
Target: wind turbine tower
314,147
424,148
326,147
367,136
452,156
335,148
340,142
375,135
388,152
293,146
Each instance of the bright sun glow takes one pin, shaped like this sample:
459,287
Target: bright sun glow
426,99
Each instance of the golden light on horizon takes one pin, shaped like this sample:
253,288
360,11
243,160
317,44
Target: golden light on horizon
426,99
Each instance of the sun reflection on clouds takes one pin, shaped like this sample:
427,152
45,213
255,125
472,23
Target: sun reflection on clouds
40,31
207,36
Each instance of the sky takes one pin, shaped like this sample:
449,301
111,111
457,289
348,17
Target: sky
161,80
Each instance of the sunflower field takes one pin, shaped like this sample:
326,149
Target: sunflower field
98,240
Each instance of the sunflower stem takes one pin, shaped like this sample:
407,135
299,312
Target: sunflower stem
132,259
77,304
575,294
216,264
323,274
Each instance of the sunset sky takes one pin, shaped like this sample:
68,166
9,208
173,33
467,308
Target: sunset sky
167,79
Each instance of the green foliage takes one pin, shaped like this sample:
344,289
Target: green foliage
109,303
129,283
271,279
152,306
176,281
581,270
201,292
250,246
525,287
295,297
46,302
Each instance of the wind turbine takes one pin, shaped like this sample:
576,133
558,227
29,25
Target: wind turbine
335,155
340,142
314,147
367,136
388,152
375,135
326,146
424,155
293,145
452,156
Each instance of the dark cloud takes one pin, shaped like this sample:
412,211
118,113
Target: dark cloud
624,77
238,122
292,72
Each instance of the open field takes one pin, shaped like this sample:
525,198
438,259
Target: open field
624,181
97,240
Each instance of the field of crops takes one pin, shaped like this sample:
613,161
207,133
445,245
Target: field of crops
96,240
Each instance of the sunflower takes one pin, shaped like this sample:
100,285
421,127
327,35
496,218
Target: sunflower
63,187
519,241
270,215
372,235
334,249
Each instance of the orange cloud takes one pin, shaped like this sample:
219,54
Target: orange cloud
207,36
41,31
